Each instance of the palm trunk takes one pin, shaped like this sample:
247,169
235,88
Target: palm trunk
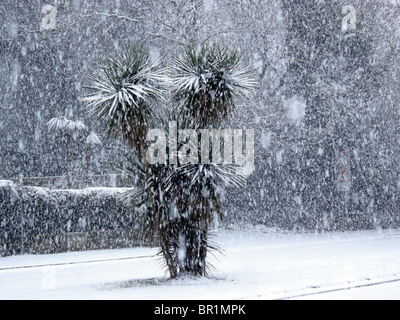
72,163
164,235
66,166
190,245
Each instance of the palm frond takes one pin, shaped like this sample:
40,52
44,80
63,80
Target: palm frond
205,83
66,125
122,91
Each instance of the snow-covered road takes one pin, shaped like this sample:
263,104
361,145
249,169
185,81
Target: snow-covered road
254,265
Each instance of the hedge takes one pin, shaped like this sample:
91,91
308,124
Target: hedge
37,220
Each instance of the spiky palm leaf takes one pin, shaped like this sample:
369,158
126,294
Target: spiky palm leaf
122,92
206,82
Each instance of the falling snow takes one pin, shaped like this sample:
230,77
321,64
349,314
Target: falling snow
316,81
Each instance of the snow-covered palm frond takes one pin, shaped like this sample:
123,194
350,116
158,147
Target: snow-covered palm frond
230,175
199,189
112,94
66,125
121,92
205,82
240,80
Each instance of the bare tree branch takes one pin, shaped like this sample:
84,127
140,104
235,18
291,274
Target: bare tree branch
111,15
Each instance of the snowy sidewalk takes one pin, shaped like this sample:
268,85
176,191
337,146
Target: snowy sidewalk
255,265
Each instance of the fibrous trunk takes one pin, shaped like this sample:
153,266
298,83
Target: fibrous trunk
185,248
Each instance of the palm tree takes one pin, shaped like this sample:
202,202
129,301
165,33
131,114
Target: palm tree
68,131
204,83
177,202
91,142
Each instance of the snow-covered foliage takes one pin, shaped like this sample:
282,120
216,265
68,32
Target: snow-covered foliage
206,81
121,91
121,85
66,125
37,220
93,139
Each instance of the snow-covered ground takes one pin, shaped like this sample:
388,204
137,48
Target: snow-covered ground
255,264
